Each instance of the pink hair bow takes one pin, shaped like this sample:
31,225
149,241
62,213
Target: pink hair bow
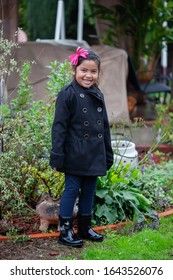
79,52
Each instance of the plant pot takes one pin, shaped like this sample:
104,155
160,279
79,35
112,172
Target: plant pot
125,152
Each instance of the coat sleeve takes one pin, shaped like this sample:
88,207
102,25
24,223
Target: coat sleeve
107,139
59,131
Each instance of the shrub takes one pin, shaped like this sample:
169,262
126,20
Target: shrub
25,171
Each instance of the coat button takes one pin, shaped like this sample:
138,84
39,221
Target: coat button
99,122
82,95
86,123
99,109
86,136
100,135
84,110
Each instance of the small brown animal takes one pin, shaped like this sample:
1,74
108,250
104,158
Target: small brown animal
48,211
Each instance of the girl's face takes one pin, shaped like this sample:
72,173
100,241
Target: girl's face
86,73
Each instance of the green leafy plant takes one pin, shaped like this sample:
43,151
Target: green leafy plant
140,24
24,92
15,237
60,75
118,197
7,65
48,181
119,194
157,184
7,62
13,184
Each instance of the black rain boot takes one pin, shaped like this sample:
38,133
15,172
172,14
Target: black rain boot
85,231
67,235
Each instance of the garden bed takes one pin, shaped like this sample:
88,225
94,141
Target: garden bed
164,148
49,249
29,226
45,246
25,241
166,152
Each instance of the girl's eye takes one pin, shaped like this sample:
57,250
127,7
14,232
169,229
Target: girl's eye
92,71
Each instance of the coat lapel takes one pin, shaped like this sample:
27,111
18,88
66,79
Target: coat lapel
94,90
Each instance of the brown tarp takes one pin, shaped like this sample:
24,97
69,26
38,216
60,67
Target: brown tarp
113,82
112,79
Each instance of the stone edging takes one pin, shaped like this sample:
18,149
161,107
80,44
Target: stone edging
98,228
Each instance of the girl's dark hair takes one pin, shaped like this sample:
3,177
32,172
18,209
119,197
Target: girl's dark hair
92,55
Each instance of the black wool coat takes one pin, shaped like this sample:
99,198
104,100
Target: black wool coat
81,142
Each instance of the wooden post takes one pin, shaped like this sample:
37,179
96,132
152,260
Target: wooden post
9,17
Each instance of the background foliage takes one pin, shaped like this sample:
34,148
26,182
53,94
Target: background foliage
136,26
38,18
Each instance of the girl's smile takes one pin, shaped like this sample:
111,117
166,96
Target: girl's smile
86,73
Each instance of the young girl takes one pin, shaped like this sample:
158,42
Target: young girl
81,145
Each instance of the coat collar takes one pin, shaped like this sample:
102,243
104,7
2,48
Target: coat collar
94,90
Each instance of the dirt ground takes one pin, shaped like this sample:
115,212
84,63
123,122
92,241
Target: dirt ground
39,249
23,248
